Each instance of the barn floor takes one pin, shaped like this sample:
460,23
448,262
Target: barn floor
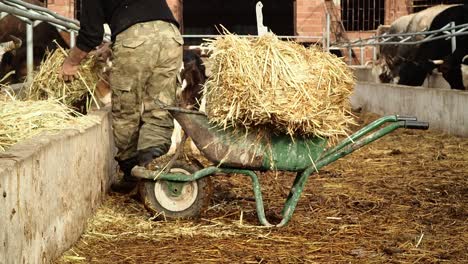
402,199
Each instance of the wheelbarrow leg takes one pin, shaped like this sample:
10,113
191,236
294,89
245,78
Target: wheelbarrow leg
257,193
293,197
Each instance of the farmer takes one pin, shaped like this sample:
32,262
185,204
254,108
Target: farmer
147,53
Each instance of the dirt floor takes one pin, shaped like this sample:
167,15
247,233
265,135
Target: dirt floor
402,199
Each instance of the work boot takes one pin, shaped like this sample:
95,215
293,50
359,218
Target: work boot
146,156
128,182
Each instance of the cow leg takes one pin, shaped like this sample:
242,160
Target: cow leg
176,138
412,74
454,77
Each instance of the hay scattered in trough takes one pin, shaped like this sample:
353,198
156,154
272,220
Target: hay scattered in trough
79,93
20,120
279,84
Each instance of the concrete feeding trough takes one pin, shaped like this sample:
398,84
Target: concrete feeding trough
49,186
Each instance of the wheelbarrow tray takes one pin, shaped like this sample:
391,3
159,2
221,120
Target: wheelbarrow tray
253,149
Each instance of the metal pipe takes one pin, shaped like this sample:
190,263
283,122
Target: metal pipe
362,55
350,54
29,51
459,30
454,38
25,13
72,39
41,9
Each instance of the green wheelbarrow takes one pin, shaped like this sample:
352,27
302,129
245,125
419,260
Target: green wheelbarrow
183,191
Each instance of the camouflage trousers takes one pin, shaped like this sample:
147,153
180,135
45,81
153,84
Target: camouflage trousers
145,64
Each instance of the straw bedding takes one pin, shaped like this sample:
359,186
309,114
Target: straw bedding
278,84
386,203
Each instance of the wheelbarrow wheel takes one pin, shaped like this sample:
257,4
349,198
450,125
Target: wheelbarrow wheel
174,199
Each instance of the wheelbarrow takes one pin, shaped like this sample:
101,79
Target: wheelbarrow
183,191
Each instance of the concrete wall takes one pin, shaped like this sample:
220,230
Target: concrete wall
366,74
446,110
49,187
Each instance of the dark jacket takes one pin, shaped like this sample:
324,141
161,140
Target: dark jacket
120,15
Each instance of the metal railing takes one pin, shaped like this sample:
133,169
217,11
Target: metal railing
449,31
32,15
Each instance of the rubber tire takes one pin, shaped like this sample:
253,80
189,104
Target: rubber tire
146,190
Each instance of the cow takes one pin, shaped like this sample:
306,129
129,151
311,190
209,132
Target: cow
418,59
397,59
410,64
388,58
193,75
45,37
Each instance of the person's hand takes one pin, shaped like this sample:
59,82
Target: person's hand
103,52
71,64
69,71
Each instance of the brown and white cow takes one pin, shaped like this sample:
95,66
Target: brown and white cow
45,37
193,75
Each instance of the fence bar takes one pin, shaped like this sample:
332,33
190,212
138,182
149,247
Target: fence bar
29,51
350,54
362,54
454,38
72,39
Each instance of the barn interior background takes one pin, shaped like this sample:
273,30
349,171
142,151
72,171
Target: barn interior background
427,225
350,19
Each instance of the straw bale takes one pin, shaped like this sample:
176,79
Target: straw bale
278,84
20,120
78,93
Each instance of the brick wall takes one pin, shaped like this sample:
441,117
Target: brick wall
395,9
310,18
62,7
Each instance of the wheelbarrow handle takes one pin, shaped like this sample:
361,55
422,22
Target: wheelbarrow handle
417,125
406,118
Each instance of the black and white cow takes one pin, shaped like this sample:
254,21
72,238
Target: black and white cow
418,61
389,60
410,64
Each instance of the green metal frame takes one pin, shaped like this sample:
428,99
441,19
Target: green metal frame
366,135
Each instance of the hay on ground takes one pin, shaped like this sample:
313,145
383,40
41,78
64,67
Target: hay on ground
280,84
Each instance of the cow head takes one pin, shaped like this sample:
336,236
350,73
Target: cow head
193,78
15,43
13,68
